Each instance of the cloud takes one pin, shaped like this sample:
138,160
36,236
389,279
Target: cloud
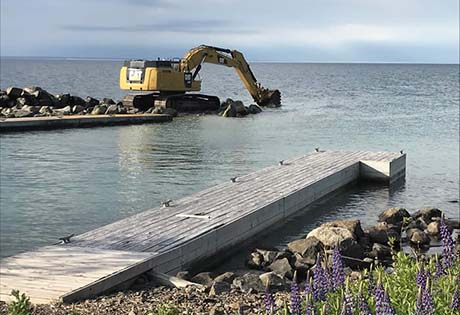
175,26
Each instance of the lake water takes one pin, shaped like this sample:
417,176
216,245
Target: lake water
60,182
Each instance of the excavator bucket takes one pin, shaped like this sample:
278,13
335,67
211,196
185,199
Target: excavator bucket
270,97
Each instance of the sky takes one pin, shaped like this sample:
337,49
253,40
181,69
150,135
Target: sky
413,31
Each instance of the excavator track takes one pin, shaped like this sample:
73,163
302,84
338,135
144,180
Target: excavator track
179,102
191,102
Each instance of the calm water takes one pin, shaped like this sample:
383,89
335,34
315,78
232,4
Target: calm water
70,181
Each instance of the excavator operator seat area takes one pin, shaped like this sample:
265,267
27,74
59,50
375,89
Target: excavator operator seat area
156,75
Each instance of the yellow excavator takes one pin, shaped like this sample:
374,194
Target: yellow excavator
164,83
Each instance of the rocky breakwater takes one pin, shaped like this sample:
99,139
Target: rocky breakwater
37,102
360,248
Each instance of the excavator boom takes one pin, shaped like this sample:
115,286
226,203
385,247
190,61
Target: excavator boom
230,58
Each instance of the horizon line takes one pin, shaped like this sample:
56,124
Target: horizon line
251,61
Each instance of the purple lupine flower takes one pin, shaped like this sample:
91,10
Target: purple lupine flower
448,246
338,276
427,303
363,306
319,281
455,305
382,302
439,272
421,277
295,299
309,308
241,310
269,302
348,307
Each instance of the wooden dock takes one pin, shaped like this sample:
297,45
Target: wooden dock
169,239
78,121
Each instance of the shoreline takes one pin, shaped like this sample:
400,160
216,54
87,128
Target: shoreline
232,291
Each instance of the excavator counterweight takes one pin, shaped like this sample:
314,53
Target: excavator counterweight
166,84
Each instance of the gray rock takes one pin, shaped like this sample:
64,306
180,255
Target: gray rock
63,100
90,101
354,226
226,277
419,238
64,111
99,110
229,111
5,101
255,261
269,255
22,114
418,223
381,233
78,109
13,92
272,281
433,228
204,278
111,110
241,110
331,236
350,248
254,109
121,109
108,101
133,110
76,100
219,287
302,264
394,216
427,214
32,109
381,251
282,267
308,247
249,283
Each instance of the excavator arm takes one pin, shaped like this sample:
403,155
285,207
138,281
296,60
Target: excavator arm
193,60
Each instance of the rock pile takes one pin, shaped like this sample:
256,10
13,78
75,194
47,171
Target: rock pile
360,248
37,102
231,108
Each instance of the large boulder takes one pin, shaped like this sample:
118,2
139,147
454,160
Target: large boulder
427,214
302,264
249,283
111,110
22,114
419,238
380,251
14,92
308,247
354,226
219,287
433,228
254,109
331,236
91,102
381,233
394,216
226,276
255,261
99,110
270,255
272,281
282,267
77,109
204,278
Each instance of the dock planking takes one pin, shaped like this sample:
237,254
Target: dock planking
168,239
